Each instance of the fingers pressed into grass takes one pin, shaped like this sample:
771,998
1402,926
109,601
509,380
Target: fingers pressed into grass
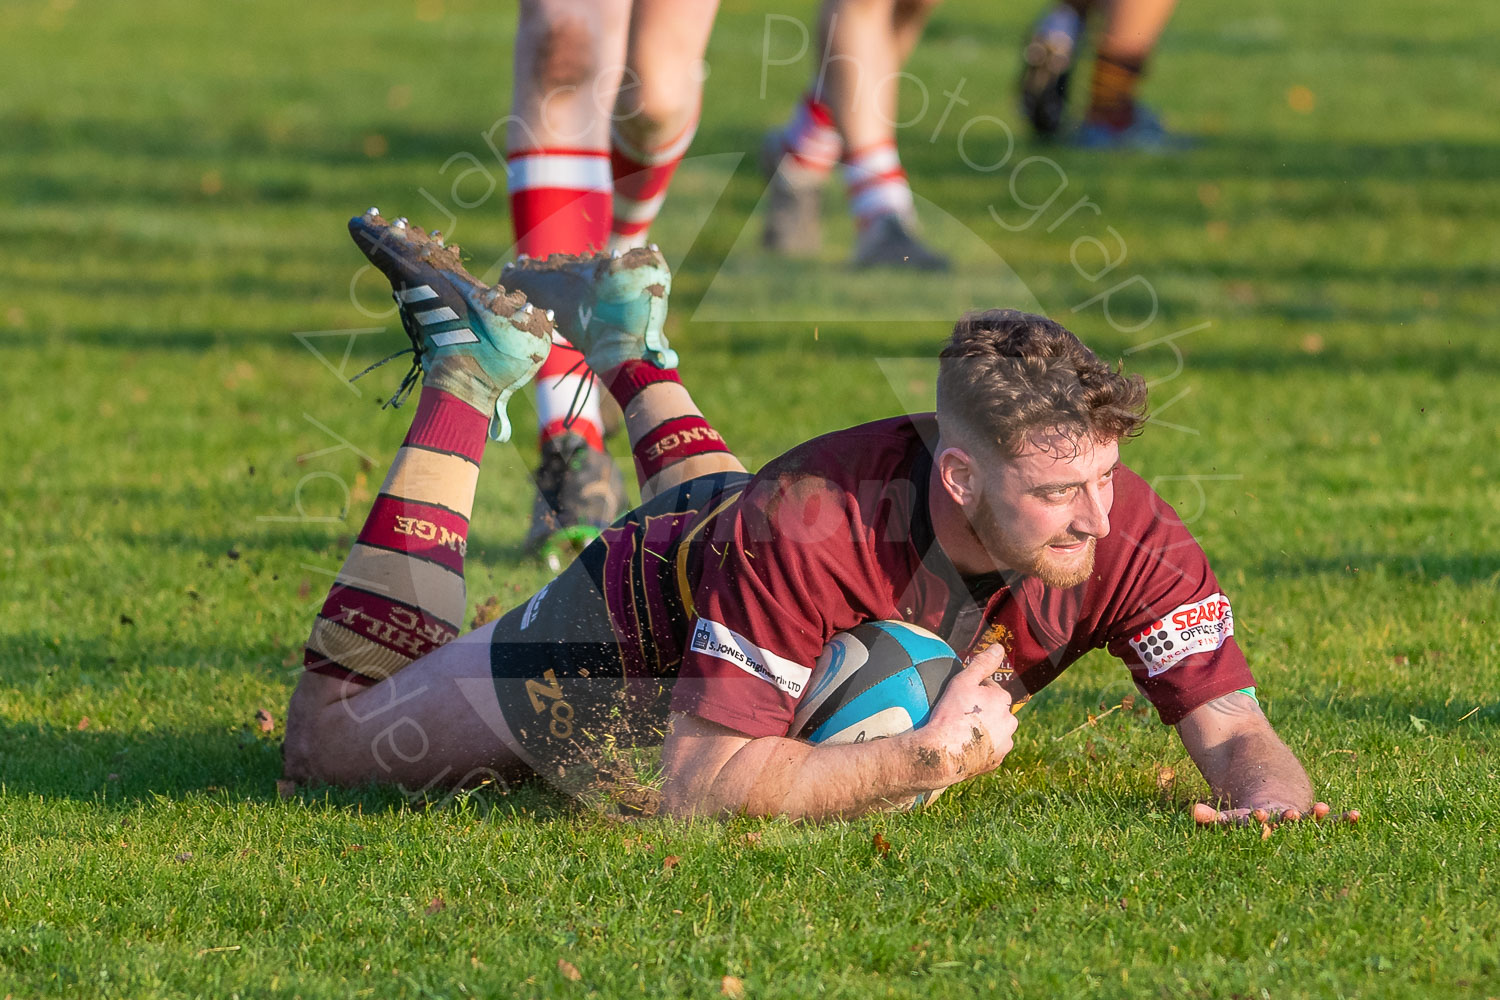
1206,815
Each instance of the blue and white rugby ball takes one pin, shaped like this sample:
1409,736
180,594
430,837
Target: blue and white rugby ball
877,679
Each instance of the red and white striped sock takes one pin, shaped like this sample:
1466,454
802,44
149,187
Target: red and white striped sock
810,142
877,184
559,199
641,179
560,203
400,592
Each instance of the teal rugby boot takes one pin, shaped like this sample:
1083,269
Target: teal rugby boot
611,306
479,343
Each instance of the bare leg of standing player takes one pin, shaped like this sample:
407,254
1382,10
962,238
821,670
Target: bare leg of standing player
391,692
569,57
1130,35
657,109
1115,119
850,113
566,166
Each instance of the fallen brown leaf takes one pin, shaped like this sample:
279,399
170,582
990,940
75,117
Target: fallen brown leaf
670,861
882,846
753,837
83,723
486,611
1265,831
732,987
184,856
435,906
1165,776
569,970
265,720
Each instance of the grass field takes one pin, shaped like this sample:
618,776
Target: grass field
1313,291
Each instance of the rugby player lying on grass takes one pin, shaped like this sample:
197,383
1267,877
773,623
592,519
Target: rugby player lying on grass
1004,523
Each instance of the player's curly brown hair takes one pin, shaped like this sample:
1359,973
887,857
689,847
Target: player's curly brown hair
1005,375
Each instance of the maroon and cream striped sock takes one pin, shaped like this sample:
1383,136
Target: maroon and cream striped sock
670,441
400,593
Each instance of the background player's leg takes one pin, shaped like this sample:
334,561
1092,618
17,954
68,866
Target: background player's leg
1132,30
569,55
656,112
1047,63
1134,27
863,47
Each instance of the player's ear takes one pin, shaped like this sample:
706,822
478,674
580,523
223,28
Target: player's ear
957,471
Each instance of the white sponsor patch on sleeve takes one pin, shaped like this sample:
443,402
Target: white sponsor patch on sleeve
724,643
1199,627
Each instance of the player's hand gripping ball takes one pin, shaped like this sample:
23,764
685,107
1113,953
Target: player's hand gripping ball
875,680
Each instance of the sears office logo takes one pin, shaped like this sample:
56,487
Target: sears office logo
1200,627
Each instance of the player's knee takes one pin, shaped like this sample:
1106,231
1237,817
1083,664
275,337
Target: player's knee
656,107
307,732
566,47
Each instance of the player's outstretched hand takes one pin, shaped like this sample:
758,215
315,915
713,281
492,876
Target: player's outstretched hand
972,721
1266,817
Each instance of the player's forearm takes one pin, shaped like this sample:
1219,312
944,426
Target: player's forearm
1255,770
785,777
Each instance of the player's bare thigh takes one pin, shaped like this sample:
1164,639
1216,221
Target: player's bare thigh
662,88
436,723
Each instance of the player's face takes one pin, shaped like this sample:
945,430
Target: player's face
1041,513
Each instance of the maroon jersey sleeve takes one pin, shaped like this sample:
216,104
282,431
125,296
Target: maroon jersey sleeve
766,603
1165,614
804,553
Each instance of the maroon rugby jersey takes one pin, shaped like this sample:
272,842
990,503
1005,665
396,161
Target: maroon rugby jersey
836,532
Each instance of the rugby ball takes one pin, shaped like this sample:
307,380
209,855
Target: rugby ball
877,679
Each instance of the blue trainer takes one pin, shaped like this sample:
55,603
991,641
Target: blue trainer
1144,134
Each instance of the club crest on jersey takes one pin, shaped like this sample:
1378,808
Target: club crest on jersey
1199,627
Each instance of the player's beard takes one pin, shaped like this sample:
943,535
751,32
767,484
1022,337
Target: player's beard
1039,561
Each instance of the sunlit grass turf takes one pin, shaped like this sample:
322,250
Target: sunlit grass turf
173,203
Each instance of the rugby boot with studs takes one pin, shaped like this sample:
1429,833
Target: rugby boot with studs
1047,69
579,492
794,205
889,241
611,306
478,343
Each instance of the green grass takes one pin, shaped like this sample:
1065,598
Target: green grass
174,179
